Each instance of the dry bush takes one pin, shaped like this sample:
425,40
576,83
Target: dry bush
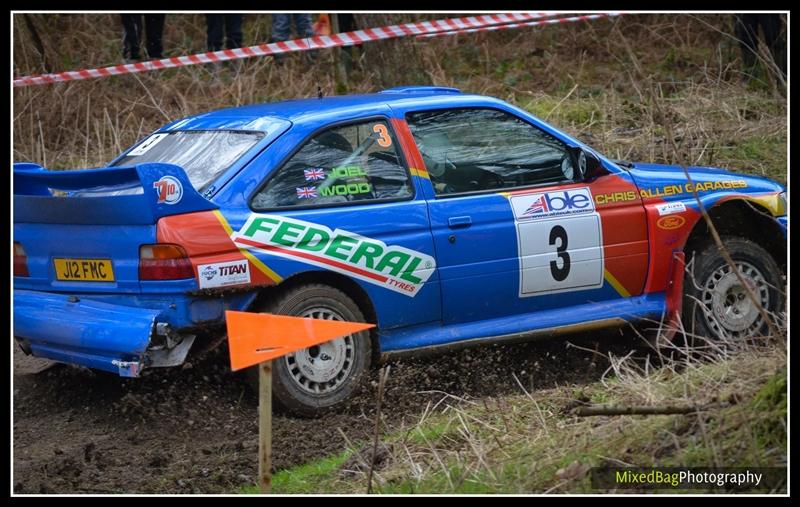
578,76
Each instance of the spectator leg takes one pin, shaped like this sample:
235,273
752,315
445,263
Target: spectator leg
132,31
304,25
233,31
214,26
280,27
154,29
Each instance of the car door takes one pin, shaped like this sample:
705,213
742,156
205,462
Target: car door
341,199
515,228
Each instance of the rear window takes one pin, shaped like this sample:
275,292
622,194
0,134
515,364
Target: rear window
204,154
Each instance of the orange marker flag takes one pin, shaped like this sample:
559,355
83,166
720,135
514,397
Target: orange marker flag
257,337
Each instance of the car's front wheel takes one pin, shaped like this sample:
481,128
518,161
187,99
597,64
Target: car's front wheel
716,304
311,381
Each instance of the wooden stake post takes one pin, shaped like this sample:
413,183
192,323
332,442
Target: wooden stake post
340,72
265,426
257,339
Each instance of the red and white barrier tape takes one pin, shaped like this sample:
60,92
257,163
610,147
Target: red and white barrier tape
550,21
433,28
458,24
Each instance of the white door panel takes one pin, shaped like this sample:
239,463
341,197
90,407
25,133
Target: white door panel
560,254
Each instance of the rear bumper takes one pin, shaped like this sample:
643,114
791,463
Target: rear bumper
79,331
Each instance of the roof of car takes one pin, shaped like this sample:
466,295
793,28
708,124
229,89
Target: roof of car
256,117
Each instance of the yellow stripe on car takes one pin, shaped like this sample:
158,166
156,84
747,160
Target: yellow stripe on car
275,277
611,279
421,173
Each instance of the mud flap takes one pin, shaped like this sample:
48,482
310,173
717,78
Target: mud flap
674,297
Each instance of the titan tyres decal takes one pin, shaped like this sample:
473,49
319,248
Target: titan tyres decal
224,274
560,242
393,267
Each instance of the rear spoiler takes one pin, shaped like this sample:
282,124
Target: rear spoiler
166,190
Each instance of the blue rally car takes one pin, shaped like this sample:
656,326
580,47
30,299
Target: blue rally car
443,217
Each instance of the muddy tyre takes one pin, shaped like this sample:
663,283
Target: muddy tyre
716,305
312,381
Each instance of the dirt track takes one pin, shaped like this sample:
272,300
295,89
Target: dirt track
195,430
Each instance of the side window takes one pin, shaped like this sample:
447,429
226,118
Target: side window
468,150
352,163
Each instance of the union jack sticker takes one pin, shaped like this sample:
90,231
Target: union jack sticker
314,174
306,192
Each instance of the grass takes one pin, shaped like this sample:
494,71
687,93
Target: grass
305,478
534,444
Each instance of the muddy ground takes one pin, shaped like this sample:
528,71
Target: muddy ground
195,430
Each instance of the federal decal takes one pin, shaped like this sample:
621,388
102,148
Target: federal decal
393,267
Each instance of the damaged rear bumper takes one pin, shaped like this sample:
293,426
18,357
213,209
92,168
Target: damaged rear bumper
115,338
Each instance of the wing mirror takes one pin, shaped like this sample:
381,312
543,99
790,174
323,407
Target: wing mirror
586,163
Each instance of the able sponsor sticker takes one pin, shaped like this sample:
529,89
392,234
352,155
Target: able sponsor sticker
223,274
393,267
669,208
552,204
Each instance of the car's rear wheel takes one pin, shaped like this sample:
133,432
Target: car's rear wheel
716,304
312,381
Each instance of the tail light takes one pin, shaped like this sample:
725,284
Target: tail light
164,262
20,260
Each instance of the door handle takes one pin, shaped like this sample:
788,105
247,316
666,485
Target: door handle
459,222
